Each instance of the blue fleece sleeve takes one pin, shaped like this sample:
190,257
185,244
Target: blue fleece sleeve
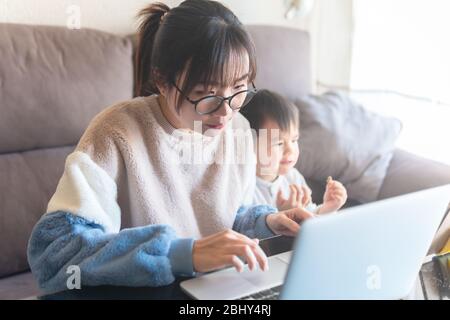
143,256
251,221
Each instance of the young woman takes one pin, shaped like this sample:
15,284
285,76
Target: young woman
127,210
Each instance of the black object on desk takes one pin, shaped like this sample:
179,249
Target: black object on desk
270,246
442,271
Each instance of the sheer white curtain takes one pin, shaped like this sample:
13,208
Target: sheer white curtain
401,67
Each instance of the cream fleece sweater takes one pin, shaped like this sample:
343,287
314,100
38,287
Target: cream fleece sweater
129,169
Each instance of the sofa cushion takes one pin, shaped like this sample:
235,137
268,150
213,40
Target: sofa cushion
27,182
283,58
340,138
20,286
54,80
427,174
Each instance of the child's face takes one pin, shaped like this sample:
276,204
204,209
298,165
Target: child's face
277,151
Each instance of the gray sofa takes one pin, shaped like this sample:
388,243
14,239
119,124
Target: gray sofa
54,80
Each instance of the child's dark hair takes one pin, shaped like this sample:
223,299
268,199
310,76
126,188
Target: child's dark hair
201,37
267,105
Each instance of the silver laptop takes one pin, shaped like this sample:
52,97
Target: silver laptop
372,251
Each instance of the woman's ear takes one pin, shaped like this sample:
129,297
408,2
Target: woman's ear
162,88
160,84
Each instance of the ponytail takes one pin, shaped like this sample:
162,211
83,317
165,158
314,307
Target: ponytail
151,17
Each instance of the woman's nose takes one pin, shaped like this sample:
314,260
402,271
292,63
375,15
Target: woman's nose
224,109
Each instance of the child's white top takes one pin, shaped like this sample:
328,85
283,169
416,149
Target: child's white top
266,192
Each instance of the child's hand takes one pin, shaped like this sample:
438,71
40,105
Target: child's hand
335,196
299,197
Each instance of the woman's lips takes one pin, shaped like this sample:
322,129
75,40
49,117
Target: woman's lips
216,126
287,162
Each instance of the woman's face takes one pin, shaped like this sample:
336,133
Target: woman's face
187,118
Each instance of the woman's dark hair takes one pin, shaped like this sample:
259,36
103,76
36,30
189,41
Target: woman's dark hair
202,38
269,105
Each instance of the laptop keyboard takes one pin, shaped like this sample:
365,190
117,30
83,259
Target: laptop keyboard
269,294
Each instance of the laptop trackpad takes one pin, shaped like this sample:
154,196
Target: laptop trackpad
285,256
229,284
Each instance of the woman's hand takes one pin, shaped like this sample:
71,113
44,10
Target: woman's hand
287,222
334,198
223,249
299,197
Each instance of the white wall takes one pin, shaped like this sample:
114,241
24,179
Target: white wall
117,16
329,23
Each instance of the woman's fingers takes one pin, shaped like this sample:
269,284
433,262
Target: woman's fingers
299,214
234,261
262,259
254,256
223,249
239,237
257,258
253,244
247,254
303,214
290,225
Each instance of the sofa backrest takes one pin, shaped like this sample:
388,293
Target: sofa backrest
283,60
52,82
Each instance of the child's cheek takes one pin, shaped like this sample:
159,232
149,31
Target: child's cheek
276,154
296,153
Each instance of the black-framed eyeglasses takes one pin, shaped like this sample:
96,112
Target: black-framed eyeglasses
210,104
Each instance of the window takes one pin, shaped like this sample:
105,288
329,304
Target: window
401,67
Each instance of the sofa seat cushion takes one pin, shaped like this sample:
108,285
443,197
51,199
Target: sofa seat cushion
20,286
